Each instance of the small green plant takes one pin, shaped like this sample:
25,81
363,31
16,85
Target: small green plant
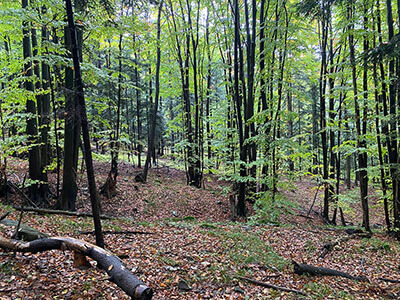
318,290
270,207
310,246
208,225
375,244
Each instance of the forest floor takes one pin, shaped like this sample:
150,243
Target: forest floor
191,238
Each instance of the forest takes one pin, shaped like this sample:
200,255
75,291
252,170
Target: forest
199,149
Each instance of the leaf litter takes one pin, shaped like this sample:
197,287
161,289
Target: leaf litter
194,251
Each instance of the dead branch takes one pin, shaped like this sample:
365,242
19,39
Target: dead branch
305,216
329,246
106,260
21,193
271,286
4,216
60,212
301,269
389,280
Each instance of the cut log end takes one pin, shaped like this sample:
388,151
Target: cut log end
143,292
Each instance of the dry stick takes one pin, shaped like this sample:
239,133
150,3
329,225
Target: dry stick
60,212
15,235
4,216
19,191
271,286
389,280
315,198
329,246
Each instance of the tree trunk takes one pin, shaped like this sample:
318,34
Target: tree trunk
362,158
79,94
31,123
157,96
71,129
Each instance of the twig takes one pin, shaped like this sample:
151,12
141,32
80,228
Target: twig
362,264
271,286
60,212
315,197
389,280
19,191
4,216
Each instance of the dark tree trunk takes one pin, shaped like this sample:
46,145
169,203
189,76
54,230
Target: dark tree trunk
322,89
71,130
116,144
31,123
241,206
79,94
45,113
392,132
362,159
379,98
157,96
138,109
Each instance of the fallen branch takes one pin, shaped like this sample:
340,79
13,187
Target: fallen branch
21,193
60,212
117,272
315,198
4,216
389,280
118,232
301,269
305,216
271,286
329,246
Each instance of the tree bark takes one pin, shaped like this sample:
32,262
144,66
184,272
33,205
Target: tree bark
117,272
150,147
31,123
85,127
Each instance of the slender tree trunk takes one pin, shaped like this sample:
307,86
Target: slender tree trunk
392,137
85,127
241,206
362,159
157,96
116,143
69,186
378,98
138,109
31,123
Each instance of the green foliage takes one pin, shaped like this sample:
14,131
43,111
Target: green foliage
269,208
245,248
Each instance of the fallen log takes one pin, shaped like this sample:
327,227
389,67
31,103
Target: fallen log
271,286
301,269
329,246
117,272
60,212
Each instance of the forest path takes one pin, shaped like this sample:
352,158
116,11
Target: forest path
192,239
